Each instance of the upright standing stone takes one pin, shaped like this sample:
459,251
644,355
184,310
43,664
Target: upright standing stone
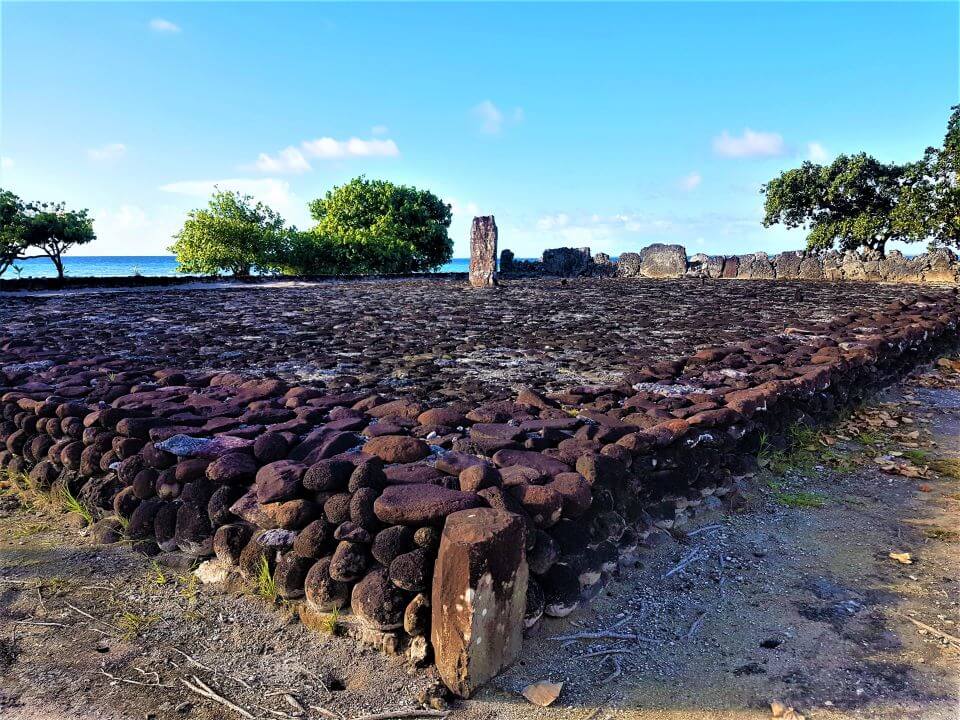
479,597
483,252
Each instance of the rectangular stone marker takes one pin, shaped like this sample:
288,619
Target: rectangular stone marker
483,252
479,597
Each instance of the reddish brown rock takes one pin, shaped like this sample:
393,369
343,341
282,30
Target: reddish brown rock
478,597
397,448
279,480
421,504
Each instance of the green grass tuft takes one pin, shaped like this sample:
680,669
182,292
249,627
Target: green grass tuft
71,504
266,585
800,499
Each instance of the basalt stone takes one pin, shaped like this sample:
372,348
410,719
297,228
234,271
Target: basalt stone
378,602
412,570
443,417
561,589
478,597
543,554
43,474
401,408
421,504
279,480
232,469
416,616
291,514
252,559
107,531
427,538
483,252
663,261
574,490
527,458
141,521
198,492
218,507
328,475
349,561
362,508
352,532
477,477
368,474
543,503
156,458
315,540
189,470
521,475
125,502
194,535
145,483
337,508
165,526
323,593
628,265
230,540
390,543
129,468
270,447
571,536
535,604
70,456
414,474
397,448
453,463
291,574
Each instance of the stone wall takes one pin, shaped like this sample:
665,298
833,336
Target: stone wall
671,261
344,495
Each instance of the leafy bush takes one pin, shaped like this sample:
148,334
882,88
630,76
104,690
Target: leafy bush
232,234
376,226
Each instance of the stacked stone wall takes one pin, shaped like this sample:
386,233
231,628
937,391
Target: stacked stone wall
344,495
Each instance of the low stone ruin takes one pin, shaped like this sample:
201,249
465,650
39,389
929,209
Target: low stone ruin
446,530
671,261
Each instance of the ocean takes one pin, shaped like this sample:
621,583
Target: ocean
124,265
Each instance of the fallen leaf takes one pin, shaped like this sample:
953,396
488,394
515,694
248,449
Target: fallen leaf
925,488
542,693
904,558
783,712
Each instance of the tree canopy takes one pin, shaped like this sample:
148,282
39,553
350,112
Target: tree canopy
375,226
47,227
858,202
233,234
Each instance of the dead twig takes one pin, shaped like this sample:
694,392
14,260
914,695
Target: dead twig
326,713
38,622
705,528
604,635
686,561
404,714
602,653
201,688
617,670
932,630
136,682
696,625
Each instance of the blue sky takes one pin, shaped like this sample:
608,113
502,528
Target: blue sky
610,126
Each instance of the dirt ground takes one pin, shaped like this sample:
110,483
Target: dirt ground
787,593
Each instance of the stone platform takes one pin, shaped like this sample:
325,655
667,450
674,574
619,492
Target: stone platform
178,420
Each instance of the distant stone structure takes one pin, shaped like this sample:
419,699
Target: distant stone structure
483,252
671,261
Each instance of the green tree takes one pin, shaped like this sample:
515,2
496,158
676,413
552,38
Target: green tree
930,207
45,226
234,234
376,226
11,225
848,204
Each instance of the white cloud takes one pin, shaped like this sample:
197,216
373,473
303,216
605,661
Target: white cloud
106,153
817,152
6,162
164,26
379,130
691,181
293,160
749,144
288,160
492,118
271,191
462,211
327,147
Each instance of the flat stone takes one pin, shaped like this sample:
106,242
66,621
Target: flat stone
421,504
